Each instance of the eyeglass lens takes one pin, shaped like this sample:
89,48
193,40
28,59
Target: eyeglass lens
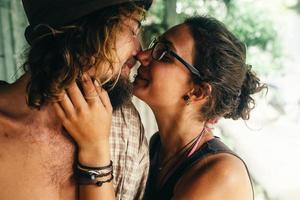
159,51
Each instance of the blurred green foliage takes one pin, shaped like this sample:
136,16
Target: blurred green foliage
297,6
249,23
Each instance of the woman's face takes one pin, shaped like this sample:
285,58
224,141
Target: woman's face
165,82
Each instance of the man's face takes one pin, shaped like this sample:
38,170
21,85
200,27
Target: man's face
127,46
127,43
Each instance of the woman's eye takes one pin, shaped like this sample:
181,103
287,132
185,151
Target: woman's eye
166,59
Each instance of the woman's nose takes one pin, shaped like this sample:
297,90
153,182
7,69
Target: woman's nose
144,57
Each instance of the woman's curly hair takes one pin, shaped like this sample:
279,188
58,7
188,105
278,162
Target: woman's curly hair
59,56
221,59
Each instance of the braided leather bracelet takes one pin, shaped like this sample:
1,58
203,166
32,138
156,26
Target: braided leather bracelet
90,175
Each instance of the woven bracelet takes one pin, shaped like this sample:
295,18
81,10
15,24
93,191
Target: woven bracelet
94,168
87,181
88,175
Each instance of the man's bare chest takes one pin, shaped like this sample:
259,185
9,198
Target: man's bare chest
36,154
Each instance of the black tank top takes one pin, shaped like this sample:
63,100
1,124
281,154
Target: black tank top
211,147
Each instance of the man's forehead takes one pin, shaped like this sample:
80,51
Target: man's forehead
131,20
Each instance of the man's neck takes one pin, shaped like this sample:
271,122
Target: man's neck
19,86
15,94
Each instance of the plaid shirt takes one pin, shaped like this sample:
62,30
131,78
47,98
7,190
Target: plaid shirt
129,153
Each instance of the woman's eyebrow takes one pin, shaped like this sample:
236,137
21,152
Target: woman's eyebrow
166,41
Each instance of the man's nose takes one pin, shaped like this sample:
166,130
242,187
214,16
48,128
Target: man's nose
138,47
144,57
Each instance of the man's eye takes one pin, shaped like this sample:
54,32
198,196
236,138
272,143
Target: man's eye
135,32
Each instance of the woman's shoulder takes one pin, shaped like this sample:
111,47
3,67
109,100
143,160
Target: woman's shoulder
215,177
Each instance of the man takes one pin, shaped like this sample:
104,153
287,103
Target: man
66,39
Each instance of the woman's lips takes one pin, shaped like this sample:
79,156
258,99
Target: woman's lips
138,76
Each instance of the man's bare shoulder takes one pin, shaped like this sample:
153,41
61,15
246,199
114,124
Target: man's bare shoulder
3,106
3,86
5,98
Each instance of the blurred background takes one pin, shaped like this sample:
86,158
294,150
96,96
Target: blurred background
270,141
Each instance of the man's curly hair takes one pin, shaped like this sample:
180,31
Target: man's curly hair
59,56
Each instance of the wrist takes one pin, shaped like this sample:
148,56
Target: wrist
94,156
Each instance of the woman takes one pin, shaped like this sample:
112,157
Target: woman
191,76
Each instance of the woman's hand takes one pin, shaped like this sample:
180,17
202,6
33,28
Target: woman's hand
87,117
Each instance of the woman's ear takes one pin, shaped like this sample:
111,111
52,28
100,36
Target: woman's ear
201,92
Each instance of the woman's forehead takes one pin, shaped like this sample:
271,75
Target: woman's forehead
181,38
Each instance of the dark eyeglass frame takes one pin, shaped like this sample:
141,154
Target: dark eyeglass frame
167,50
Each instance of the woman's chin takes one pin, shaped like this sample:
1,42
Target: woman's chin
139,93
136,92
140,88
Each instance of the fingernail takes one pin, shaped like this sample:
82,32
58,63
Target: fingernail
96,83
85,76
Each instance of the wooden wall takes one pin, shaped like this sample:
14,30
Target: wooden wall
12,42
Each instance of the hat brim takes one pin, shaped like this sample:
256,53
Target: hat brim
63,15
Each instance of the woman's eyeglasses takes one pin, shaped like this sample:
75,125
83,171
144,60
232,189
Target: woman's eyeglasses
160,49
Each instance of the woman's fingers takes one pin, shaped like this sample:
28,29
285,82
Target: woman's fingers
67,106
91,125
89,90
59,111
103,96
76,96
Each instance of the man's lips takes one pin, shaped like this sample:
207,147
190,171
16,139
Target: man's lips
128,66
131,62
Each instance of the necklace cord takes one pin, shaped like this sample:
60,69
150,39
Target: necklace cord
194,145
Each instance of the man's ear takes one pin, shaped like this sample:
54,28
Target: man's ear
200,92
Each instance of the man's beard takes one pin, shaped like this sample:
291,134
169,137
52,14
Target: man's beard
121,93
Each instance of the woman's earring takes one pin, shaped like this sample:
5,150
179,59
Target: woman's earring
186,98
